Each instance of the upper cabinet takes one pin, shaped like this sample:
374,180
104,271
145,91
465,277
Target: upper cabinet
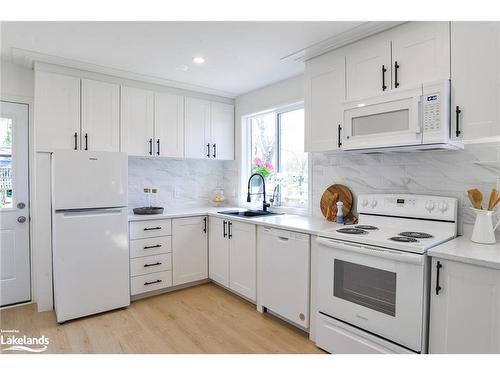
324,96
169,125
222,130
57,112
475,79
100,113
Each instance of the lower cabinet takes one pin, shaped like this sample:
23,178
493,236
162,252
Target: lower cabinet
465,308
189,249
233,256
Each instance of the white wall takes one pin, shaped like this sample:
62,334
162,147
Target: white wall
16,82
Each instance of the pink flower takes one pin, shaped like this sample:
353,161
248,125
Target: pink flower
257,161
269,166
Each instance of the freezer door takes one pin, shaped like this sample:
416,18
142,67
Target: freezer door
91,262
89,179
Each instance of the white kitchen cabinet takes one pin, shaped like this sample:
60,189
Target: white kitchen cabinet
222,130
324,96
475,79
137,121
169,125
100,111
57,111
465,311
368,67
218,250
197,128
189,249
421,51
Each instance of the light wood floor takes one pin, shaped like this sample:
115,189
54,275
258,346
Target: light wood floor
201,319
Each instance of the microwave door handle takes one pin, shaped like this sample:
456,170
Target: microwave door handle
418,107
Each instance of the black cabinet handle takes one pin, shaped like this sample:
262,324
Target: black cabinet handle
215,150
384,69
438,268
204,225
152,228
152,282
152,264
224,228
150,146
158,147
86,142
151,247
396,67
339,141
230,230
208,150
76,140
458,111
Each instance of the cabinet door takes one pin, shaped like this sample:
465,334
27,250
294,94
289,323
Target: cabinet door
189,249
137,121
365,62
324,94
222,130
169,125
57,111
100,116
243,259
422,52
475,78
218,249
465,315
197,128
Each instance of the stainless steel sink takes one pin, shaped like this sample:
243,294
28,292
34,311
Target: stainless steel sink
249,213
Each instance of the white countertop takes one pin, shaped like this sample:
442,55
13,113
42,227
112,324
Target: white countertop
298,223
462,249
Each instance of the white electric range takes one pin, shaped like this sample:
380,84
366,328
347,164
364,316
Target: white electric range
372,278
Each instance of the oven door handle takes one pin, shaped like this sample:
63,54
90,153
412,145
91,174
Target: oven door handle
373,251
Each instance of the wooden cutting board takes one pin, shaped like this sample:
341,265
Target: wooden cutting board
330,198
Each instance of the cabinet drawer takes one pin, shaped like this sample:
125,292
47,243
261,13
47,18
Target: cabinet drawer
150,246
154,263
150,282
150,228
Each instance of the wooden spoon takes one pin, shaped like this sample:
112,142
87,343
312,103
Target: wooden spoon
493,199
476,198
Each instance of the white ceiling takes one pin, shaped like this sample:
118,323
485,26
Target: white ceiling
240,56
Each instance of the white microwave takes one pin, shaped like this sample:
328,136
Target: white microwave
411,119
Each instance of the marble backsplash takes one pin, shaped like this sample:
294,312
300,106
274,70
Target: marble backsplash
446,173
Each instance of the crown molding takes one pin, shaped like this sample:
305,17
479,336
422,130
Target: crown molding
347,37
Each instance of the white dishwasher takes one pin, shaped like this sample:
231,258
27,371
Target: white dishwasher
283,273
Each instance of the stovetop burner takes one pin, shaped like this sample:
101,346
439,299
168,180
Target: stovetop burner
352,231
416,234
403,239
366,227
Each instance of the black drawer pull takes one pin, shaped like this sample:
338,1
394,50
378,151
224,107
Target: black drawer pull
458,111
76,141
152,264
152,228
151,146
151,247
152,282
208,150
339,129
158,147
224,228
384,69
396,67
438,267
86,142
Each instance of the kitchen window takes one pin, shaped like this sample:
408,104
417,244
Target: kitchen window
276,150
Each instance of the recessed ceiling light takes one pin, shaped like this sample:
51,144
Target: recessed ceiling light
183,68
198,60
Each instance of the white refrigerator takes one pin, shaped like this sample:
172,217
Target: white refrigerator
89,233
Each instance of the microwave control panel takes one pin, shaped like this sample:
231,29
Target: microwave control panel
432,112
435,105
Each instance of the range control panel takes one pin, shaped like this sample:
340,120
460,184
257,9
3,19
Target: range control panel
409,205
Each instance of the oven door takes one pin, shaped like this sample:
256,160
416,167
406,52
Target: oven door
388,121
375,289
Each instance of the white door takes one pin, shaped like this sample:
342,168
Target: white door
475,78
100,116
368,67
324,94
137,121
57,112
197,129
421,51
465,312
218,251
189,249
222,131
169,125
14,211
243,259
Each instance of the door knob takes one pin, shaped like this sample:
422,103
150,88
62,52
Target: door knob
21,219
